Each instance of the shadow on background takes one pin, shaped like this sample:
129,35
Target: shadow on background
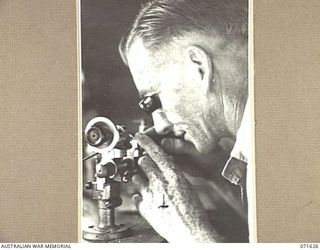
108,89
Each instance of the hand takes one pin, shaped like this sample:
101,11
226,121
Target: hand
184,219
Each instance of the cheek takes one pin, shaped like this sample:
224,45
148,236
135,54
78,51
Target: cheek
180,108
171,104
179,98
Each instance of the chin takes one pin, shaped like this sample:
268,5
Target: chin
204,146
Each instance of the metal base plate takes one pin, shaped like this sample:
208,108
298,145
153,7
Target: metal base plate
105,235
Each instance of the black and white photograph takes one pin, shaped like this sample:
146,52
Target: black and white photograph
167,121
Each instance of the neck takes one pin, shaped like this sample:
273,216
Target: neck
238,114
233,110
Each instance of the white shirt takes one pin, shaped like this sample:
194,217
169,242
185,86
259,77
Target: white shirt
239,169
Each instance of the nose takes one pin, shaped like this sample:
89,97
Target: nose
161,123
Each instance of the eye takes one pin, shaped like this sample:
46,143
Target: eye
150,103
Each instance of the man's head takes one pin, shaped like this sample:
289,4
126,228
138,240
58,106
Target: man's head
192,55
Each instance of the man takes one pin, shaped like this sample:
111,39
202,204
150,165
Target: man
189,61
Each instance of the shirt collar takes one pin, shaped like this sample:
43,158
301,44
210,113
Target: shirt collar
235,168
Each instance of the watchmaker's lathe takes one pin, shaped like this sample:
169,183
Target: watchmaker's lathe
116,156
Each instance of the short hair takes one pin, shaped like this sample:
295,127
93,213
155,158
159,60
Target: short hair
160,21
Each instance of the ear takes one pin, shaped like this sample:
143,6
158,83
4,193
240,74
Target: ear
201,64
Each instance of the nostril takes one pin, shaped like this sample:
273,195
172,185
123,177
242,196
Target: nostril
166,130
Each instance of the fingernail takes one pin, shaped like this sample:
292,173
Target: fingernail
137,197
141,160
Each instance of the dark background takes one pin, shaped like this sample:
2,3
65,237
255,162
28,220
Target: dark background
108,88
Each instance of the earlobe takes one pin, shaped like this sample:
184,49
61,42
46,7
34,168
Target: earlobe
201,63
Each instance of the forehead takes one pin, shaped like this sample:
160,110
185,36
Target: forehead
144,67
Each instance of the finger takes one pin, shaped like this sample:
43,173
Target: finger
139,181
163,160
149,168
178,146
